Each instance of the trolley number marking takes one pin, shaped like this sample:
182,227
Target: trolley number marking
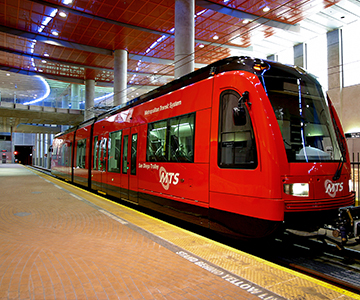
239,282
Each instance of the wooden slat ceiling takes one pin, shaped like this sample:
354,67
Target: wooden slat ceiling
92,30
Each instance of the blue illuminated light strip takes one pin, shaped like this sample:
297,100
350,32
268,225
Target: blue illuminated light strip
47,92
107,96
104,97
44,23
47,20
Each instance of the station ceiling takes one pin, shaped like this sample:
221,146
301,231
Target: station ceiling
70,41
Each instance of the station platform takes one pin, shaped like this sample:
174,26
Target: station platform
58,241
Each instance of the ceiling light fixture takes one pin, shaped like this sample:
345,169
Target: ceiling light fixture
215,37
62,14
266,9
201,46
54,32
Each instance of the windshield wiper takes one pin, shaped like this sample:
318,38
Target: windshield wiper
339,168
342,150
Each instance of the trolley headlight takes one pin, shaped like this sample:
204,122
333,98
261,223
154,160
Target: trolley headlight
297,189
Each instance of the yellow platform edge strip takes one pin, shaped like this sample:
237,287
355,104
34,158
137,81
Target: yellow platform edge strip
292,272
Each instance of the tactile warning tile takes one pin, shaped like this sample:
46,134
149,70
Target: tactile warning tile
286,283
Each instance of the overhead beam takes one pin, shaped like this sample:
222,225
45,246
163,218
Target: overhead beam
126,25
48,40
30,128
48,76
52,41
36,56
156,60
95,17
244,15
57,61
76,80
58,116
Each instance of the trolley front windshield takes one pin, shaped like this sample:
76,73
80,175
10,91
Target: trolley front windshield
304,118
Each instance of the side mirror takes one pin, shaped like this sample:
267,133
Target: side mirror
239,116
239,113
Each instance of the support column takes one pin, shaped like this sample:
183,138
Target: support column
89,98
273,57
300,55
75,96
33,157
43,151
49,153
38,149
184,37
335,69
335,74
120,76
64,102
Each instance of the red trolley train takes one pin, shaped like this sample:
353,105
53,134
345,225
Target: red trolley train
242,146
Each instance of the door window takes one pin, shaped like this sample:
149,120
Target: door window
114,152
133,153
237,148
124,158
96,151
80,154
103,148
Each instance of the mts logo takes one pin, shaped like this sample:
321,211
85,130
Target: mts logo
332,188
167,178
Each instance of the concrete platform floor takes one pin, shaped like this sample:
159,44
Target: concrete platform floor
61,242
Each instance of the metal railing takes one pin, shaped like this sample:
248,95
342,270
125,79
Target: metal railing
355,175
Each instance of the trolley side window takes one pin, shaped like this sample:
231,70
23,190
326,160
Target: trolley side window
114,151
171,140
237,148
80,154
156,141
182,133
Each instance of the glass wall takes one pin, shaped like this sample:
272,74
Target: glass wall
317,59
36,90
351,60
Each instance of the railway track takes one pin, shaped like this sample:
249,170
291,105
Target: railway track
317,259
